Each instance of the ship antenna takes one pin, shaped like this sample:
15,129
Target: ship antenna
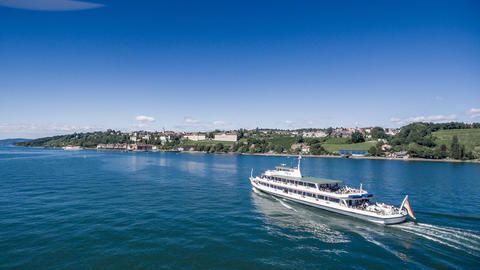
299,158
251,173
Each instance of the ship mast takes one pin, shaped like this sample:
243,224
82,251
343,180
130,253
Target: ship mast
298,166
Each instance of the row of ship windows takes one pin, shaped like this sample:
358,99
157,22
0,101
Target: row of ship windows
293,182
293,191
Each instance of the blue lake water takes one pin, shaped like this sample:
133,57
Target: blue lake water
114,210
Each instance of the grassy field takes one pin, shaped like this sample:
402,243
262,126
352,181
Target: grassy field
468,137
353,146
338,141
283,141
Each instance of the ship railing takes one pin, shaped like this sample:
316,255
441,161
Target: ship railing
347,190
292,185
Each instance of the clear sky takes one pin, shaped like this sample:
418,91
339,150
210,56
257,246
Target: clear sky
197,65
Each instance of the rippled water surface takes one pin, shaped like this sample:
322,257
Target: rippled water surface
112,210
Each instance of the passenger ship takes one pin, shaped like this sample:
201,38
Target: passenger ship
329,195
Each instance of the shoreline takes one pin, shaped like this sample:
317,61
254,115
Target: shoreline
367,157
475,161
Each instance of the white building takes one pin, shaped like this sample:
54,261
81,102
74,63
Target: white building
315,134
226,137
392,131
386,147
195,137
305,149
133,138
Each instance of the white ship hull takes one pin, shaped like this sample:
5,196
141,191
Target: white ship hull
334,207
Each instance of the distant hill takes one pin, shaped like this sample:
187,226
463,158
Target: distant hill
13,141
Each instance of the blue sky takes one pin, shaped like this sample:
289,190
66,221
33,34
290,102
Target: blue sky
199,65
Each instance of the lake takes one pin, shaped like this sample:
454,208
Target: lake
111,210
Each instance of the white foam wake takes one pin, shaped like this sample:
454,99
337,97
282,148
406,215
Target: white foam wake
284,204
468,241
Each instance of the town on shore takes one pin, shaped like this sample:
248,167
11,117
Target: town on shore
444,141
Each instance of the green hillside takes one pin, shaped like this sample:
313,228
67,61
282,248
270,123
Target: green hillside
468,137
352,146
190,143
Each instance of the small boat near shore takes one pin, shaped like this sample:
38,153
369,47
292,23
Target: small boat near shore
71,148
328,194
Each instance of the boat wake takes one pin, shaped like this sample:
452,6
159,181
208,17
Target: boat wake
292,222
284,204
466,240
368,236
275,198
279,216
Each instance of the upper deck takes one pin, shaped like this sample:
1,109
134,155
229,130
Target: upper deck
310,179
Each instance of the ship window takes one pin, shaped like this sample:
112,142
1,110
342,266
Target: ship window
334,200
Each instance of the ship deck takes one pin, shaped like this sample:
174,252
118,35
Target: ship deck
310,179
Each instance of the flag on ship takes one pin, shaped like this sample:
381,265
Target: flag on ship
406,205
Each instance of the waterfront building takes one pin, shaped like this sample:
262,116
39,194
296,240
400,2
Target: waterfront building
112,146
